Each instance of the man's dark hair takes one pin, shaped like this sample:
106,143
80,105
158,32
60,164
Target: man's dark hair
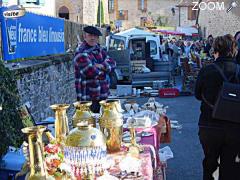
226,46
210,36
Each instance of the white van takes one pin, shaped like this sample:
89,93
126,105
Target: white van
144,50
135,40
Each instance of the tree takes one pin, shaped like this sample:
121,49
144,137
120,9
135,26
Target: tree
100,13
10,121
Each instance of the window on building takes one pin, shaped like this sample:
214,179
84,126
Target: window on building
192,14
29,2
32,2
122,15
111,5
142,5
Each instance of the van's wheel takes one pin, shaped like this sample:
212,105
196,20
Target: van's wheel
113,80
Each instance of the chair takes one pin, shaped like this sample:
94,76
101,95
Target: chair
28,120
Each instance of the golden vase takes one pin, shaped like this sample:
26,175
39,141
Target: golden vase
37,166
85,151
83,113
61,122
111,124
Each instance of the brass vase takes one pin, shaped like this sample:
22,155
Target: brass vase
85,151
111,124
61,122
83,113
37,166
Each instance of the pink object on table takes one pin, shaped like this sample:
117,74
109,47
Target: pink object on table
153,139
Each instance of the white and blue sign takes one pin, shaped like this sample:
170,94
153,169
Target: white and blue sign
31,35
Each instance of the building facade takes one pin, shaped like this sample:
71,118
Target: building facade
213,18
81,11
45,7
132,13
219,22
186,15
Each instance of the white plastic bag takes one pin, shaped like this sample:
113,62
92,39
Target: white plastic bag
145,69
165,153
147,113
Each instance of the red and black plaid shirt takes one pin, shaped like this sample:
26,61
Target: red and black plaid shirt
91,82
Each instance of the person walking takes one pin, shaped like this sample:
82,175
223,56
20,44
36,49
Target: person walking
237,37
208,46
219,138
92,68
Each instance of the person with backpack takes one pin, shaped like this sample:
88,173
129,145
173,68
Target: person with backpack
237,37
220,137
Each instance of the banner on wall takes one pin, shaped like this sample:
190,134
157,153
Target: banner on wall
26,34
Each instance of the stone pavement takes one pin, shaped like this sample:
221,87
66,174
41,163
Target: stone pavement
187,161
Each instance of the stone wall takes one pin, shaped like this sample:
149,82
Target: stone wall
48,80
216,22
43,82
163,8
90,12
219,22
184,17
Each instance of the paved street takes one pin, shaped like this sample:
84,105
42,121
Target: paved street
186,164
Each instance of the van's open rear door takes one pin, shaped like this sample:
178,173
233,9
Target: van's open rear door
113,42
154,46
123,71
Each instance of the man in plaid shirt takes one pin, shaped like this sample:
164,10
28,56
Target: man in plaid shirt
92,67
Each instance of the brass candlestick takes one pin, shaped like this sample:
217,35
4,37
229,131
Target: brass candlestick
134,148
61,122
37,166
133,136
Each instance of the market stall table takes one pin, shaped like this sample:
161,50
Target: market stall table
147,169
154,141
155,130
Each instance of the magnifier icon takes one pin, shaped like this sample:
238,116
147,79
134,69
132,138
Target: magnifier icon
233,4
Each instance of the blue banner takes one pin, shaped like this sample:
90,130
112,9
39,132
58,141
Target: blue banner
31,35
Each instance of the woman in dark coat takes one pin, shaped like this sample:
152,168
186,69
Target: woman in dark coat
237,38
220,139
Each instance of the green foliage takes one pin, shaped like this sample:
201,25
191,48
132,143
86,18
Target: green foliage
162,21
102,13
10,122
